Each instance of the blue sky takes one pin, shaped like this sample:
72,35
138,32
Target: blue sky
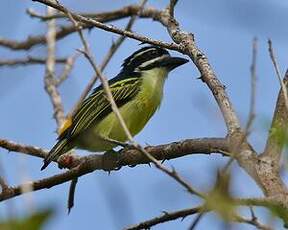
223,29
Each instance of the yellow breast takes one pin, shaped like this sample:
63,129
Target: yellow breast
135,113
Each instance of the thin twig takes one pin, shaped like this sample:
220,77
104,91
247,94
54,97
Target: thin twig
22,148
29,60
171,7
70,61
253,221
251,114
277,70
196,220
49,79
165,217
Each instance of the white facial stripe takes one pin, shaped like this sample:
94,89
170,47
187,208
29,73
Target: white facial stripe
143,65
141,53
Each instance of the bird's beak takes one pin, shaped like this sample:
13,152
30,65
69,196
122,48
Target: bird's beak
173,62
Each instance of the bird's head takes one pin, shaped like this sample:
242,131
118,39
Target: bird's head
149,58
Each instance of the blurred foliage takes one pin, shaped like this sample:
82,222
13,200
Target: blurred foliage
219,199
279,211
31,222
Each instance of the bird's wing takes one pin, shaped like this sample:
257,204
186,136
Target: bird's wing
97,106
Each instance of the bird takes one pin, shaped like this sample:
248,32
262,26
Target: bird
137,91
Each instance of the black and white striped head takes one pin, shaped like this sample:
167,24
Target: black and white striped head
151,57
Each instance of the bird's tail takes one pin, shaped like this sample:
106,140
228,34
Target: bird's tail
60,148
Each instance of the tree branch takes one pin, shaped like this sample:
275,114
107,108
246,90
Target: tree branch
165,217
64,31
22,148
131,157
70,61
49,80
109,28
29,60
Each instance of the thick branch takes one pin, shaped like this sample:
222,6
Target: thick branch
131,157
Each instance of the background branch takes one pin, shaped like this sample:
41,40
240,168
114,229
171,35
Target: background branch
165,217
28,61
49,80
64,31
110,28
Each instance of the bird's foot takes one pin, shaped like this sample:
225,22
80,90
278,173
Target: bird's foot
111,160
68,161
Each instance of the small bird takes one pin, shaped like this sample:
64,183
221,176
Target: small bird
137,91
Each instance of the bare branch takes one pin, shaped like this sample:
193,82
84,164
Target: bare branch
160,152
21,148
64,31
253,221
109,28
70,61
126,11
165,217
28,61
251,115
277,70
168,216
131,157
197,219
49,80
171,7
